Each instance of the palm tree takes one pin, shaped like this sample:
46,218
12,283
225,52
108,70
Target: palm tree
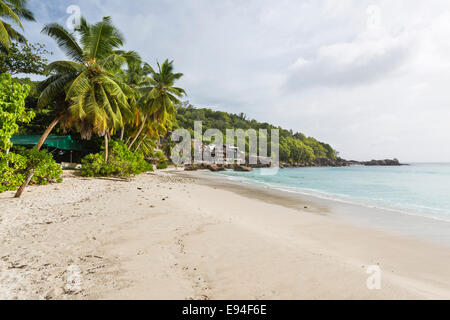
133,75
94,98
12,10
152,132
159,96
136,70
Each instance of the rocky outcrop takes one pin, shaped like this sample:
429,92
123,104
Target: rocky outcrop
204,166
339,162
387,162
241,168
259,166
323,162
215,167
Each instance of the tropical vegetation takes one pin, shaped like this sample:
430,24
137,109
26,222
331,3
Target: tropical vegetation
24,58
12,109
121,107
11,13
121,163
105,91
14,162
14,168
294,147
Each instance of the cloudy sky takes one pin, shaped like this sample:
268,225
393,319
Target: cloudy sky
369,77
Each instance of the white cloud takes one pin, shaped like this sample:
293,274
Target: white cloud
372,54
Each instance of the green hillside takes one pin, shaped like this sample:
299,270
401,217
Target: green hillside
294,147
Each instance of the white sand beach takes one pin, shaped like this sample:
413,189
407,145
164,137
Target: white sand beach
173,236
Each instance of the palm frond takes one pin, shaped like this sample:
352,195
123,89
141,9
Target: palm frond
53,87
65,40
64,66
6,10
102,39
4,36
80,85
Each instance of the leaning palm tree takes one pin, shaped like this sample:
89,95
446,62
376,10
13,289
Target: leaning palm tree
159,96
95,99
12,11
152,132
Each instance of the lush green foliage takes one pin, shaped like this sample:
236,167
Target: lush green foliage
160,156
13,11
295,150
24,58
14,168
93,97
163,161
14,165
162,165
12,108
91,92
158,97
294,147
161,96
121,163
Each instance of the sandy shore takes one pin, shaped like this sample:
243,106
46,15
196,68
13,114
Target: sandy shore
178,236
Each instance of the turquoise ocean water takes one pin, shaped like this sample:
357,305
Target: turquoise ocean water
418,189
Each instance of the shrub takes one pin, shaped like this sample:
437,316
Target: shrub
13,168
121,163
46,170
160,156
162,165
12,109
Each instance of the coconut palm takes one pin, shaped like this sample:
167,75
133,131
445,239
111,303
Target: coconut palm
94,93
133,75
135,72
151,133
94,99
13,11
159,96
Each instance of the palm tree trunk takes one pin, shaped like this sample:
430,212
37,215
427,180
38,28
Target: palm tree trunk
38,147
139,145
106,148
139,132
7,152
122,133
